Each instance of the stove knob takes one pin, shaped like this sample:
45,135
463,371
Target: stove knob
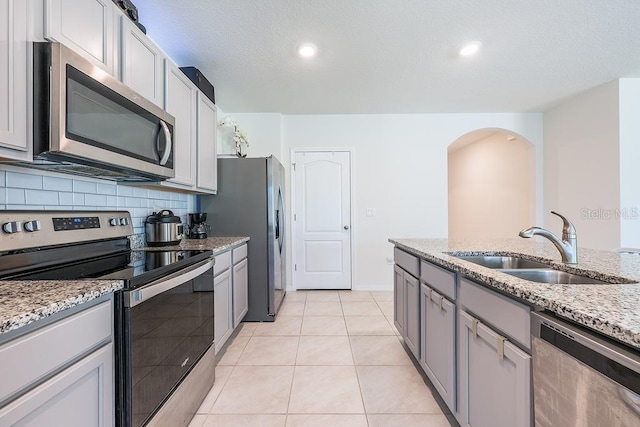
32,226
114,221
123,221
12,227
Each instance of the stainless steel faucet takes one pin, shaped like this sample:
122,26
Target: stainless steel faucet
568,246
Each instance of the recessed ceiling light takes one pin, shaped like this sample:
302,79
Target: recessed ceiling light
470,48
307,50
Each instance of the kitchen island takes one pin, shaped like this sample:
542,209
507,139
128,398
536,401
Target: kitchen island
473,331
611,309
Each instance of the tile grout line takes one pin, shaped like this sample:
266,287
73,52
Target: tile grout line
355,368
295,361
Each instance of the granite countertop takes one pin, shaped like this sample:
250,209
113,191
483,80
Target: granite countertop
25,301
216,244
611,309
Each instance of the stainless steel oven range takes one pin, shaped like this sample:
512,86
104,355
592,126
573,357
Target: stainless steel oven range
163,316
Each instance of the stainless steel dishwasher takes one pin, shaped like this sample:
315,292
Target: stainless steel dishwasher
582,379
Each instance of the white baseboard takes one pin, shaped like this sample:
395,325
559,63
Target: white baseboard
371,288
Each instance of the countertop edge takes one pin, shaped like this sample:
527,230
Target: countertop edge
540,295
96,290
215,244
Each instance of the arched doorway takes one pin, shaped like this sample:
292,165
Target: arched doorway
491,184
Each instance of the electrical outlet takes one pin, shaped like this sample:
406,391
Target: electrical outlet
390,261
371,211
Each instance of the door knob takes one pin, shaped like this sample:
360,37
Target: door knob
346,227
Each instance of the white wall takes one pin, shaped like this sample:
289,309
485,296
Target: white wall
629,163
400,168
491,187
263,130
581,166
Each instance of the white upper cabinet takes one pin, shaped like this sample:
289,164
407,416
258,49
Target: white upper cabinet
86,26
14,62
180,102
141,63
207,177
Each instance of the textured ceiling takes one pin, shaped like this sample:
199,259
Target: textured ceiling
398,56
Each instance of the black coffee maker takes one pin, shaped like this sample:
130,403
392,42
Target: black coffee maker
198,228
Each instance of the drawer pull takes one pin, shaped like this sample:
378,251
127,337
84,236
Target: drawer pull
500,346
474,328
441,301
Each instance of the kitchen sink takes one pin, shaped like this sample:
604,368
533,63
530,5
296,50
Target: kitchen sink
502,262
554,277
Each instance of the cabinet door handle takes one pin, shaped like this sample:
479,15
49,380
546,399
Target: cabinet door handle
441,301
474,328
500,346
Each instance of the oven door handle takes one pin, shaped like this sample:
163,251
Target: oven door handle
137,296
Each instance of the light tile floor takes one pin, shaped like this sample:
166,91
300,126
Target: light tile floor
332,358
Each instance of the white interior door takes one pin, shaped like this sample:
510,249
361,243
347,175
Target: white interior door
322,220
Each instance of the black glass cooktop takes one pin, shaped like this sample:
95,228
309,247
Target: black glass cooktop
135,268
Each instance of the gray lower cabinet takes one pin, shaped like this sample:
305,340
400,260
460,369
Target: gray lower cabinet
223,310
398,299
406,313
240,291
231,294
61,374
438,343
473,343
412,314
495,377
81,395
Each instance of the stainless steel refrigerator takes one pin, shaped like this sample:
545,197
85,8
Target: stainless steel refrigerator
250,202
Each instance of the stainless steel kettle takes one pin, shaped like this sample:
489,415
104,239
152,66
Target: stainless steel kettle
163,229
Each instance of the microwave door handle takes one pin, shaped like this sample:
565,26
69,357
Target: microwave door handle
168,146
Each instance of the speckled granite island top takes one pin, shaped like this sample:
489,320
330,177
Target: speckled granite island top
25,301
612,309
216,244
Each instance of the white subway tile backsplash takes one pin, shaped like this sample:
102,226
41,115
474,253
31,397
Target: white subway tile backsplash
33,197
31,191
132,202
123,190
108,189
78,199
95,200
25,207
139,212
155,194
65,199
23,180
15,196
57,184
84,186
140,192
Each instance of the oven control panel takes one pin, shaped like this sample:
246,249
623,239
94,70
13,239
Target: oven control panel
75,223
31,229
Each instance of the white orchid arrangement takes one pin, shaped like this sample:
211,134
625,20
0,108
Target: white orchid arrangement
239,137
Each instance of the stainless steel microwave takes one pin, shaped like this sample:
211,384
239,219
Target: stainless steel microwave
87,122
